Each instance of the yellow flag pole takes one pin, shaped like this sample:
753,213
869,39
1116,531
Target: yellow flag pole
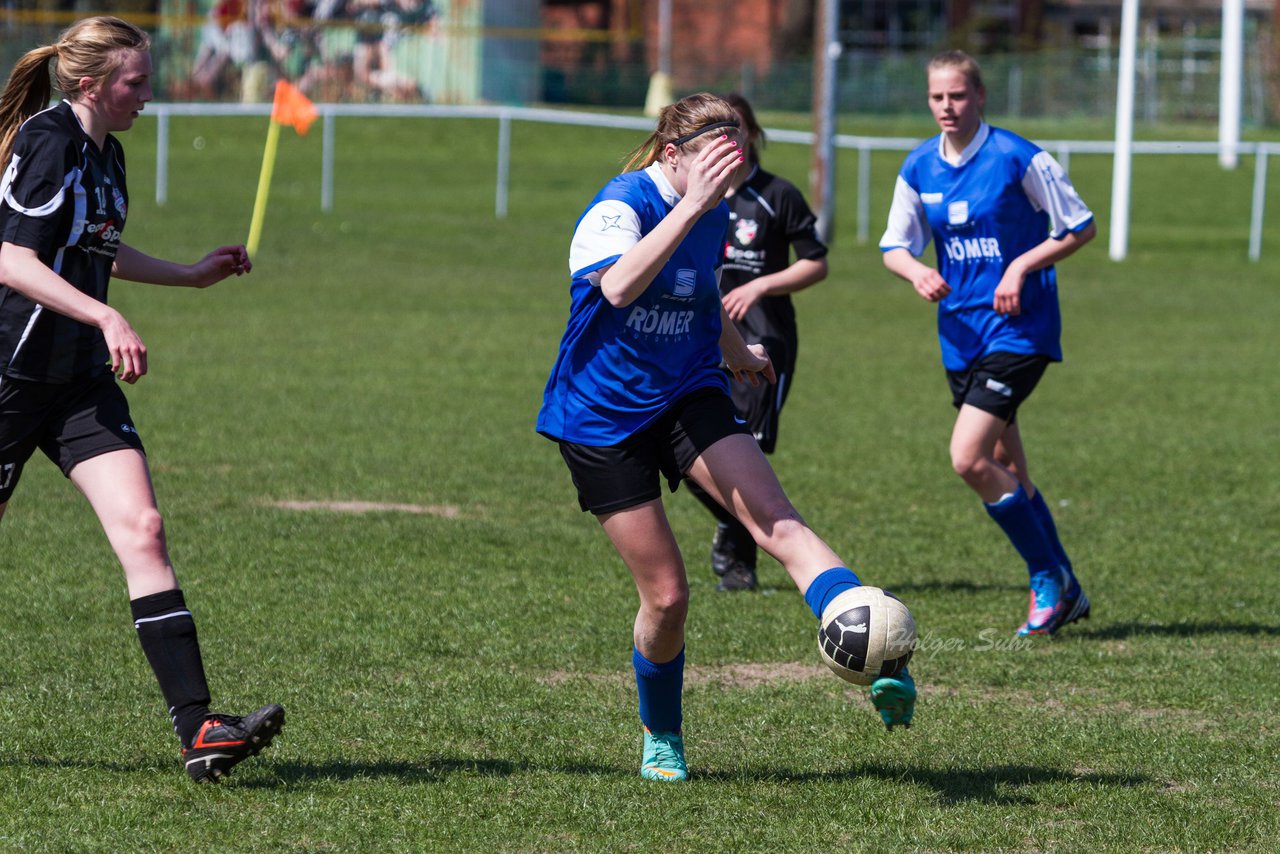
264,184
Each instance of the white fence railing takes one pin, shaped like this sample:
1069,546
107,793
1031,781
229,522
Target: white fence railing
1062,149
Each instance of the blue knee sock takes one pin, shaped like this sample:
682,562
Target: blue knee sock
828,586
1051,531
660,687
1021,524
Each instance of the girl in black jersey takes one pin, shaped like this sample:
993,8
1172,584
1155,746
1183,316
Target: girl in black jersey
63,202
769,219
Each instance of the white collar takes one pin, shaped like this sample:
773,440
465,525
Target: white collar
668,192
970,150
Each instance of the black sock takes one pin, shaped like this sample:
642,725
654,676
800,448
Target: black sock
168,636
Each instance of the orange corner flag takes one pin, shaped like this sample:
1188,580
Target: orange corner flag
291,107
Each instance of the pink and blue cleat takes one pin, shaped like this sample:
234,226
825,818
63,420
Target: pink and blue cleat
1056,600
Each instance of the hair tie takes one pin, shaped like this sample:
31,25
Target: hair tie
681,140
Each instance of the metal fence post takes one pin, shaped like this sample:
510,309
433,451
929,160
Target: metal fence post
864,191
162,156
504,165
1259,202
326,161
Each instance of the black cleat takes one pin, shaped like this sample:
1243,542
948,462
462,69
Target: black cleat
738,576
734,562
224,740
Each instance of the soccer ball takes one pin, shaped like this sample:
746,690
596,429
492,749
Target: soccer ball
866,633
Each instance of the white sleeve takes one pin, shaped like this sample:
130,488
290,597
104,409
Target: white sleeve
1049,189
908,228
605,231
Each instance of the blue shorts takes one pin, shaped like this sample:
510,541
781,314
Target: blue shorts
627,474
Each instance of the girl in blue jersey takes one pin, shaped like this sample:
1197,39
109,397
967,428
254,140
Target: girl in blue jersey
63,203
637,394
1001,213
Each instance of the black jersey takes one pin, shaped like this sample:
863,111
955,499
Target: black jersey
66,199
768,218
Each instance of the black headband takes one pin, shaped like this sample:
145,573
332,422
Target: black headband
681,140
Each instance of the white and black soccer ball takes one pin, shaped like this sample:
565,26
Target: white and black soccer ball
866,633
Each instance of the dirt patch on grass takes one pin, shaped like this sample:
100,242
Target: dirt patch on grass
447,511
753,675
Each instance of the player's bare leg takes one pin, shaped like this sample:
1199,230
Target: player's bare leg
118,487
644,540
973,453
736,473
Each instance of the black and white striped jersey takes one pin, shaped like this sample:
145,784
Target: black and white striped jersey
66,199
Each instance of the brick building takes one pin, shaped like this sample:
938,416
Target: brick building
724,36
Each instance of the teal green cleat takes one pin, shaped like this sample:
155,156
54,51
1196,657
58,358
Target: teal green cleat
895,699
663,757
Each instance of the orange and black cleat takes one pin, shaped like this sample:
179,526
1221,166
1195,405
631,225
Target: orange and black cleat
224,740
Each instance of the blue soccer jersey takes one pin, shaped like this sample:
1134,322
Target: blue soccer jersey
1004,197
619,368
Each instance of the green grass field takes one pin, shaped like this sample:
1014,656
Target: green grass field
459,679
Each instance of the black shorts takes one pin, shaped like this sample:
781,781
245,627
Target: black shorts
619,476
997,383
761,404
70,422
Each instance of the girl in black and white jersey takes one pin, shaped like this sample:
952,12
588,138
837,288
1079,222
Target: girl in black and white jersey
63,202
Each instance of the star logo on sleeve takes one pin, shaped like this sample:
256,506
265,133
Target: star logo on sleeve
609,222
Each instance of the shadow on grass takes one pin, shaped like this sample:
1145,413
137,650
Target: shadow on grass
954,586
1118,631
428,770
1000,784
271,774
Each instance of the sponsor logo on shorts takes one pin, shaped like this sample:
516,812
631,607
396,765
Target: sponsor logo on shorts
128,428
999,387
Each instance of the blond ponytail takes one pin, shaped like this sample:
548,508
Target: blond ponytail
27,93
93,48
